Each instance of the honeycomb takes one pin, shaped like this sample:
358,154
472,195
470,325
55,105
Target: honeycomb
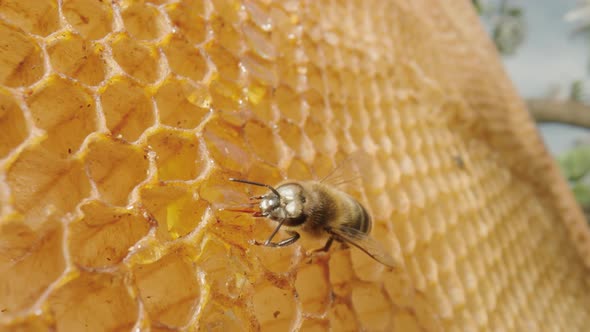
121,122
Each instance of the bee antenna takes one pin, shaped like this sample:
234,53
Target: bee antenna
257,184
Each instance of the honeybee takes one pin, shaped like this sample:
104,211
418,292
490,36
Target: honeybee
317,209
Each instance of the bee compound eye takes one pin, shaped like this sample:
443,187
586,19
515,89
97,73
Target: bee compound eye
293,209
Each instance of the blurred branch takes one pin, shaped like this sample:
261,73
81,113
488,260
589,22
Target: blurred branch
563,111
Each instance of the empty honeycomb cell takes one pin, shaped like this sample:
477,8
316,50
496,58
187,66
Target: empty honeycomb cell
258,14
36,179
260,41
226,145
188,17
78,58
180,104
138,59
299,170
218,317
168,288
12,124
227,64
127,108
25,248
184,58
226,268
226,95
92,19
115,167
311,285
259,102
178,155
29,323
263,71
21,60
226,34
93,302
177,209
289,73
340,272
103,236
371,306
406,321
260,139
277,260
289,104
315,325
274,308
143,21
342,318
318,133
72,116
38,17
266,173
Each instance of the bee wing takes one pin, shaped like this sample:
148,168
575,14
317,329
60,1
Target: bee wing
365,243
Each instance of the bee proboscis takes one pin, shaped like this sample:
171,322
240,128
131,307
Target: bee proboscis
318,209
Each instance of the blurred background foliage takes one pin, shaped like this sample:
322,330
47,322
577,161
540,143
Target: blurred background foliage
565,105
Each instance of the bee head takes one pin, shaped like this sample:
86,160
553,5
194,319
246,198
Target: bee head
286,202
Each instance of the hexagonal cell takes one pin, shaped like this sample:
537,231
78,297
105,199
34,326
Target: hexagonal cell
315,325
169,288
226,146
77,58
341,272
289,104
342,318
226,268
263,142
104,235
226,95
274,308
178,155
226,34
137,59
313,288
143,21
177,209
66,111
26,249
116,168
299,170
33,322
187,16
181,105
227,64
38,179
35,16
93,302
260,70
184,58
21,60
371,307
12,124
217,317
259,103
127,109
406,321
294,137
92,19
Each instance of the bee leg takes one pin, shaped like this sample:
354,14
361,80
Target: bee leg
283,243
325,248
